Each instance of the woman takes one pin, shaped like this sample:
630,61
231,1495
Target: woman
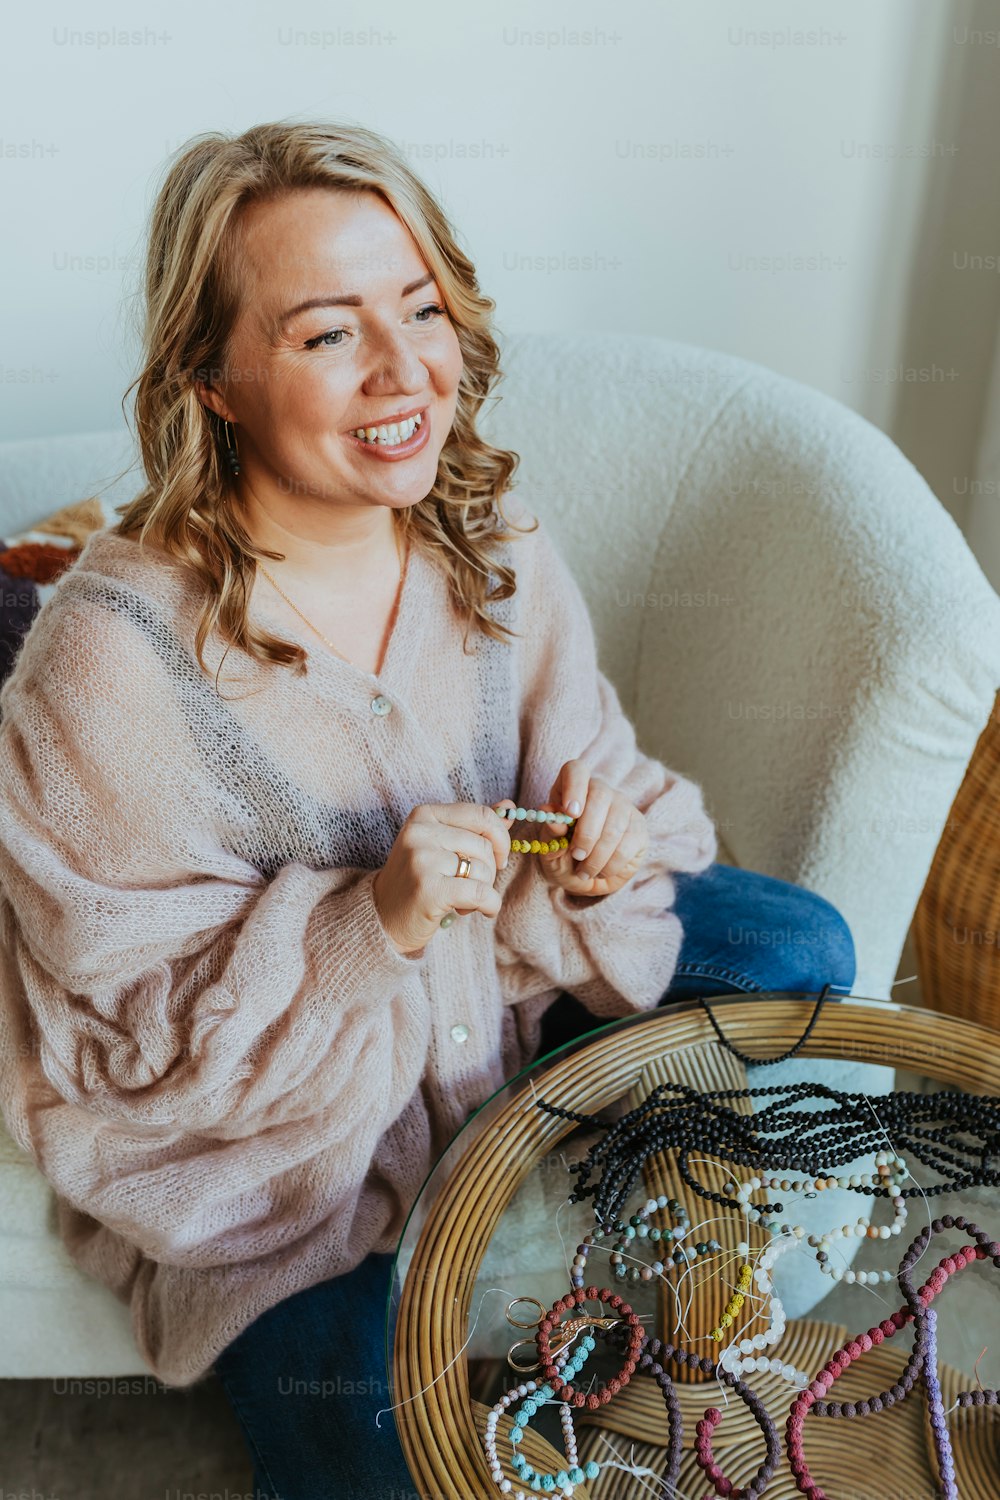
264,938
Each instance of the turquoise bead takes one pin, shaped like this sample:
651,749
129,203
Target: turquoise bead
529,1407
591,1469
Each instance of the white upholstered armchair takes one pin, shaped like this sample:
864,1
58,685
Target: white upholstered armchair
789,614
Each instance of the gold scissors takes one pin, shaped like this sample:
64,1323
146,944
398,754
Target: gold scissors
561,1337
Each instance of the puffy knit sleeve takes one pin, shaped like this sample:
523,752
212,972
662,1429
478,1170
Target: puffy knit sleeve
617,953
167,1001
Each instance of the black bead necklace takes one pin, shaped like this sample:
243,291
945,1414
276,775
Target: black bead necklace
953,1135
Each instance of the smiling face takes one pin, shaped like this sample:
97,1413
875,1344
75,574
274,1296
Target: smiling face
341,329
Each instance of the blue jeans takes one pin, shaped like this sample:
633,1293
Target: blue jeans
743,931
307,1378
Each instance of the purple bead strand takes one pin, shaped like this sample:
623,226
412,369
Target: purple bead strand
935,1405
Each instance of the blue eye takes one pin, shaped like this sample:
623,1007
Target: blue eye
321,338
431,307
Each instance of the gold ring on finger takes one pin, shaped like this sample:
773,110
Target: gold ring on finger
464,866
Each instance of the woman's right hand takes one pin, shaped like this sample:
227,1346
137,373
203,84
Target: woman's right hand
419,883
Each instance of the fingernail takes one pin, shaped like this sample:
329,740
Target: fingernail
579,854
574,808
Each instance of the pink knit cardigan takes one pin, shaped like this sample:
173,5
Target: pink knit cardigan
232,1081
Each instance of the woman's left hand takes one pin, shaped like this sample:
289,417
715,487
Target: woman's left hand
610,830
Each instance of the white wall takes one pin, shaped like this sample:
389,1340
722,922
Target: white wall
681,146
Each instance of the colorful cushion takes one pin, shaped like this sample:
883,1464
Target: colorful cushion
31,562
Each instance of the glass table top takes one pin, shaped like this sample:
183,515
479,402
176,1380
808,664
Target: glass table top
464,1258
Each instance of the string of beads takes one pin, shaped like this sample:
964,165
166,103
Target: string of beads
922,1359
532,815
953,1135
735,1303
890,1173
653,1355
747,1356
639,1228
543,1338
532,1396
675,1422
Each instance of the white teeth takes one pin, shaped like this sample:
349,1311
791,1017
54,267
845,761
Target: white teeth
391,435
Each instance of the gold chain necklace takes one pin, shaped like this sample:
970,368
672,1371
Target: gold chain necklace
402,573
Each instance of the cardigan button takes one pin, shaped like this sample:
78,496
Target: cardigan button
381,706
460,1033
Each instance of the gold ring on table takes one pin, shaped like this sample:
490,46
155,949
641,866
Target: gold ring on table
464,866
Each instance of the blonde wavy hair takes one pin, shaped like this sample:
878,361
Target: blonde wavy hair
189,507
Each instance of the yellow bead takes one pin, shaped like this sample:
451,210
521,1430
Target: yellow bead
564,843
535,846
515,844
727,1321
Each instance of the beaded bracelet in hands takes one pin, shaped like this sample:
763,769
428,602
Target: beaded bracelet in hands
532,815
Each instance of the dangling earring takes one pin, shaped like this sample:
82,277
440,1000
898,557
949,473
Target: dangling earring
232,452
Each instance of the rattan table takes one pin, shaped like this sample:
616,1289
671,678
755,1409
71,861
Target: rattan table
485,1229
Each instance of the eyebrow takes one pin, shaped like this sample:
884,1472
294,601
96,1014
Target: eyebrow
347,299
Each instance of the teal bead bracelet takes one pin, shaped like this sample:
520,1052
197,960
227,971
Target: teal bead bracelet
639,1228
532,1396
